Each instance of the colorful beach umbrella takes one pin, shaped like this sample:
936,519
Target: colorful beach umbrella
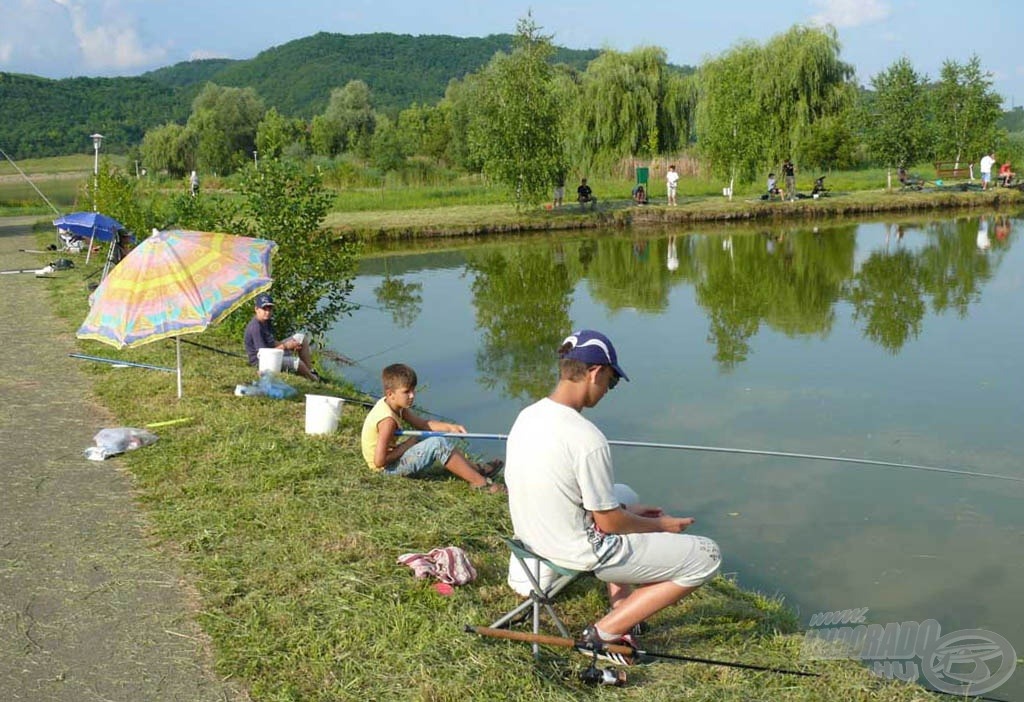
173,283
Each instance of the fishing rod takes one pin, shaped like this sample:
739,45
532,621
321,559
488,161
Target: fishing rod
58,212
116,362
755,452
633,655
628,652
212,348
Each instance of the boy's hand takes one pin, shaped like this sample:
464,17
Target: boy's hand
456,429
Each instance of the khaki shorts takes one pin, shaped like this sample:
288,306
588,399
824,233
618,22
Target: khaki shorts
686,560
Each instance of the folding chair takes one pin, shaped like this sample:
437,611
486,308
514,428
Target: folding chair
539,596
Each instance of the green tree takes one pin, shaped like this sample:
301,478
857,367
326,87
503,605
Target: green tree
459,105
313,268
205,213
828,143
802,81
631,104
170,148
730,133
350,111
758,105
386,146
967,111
117,195
275,133
896,121
225,122
514,130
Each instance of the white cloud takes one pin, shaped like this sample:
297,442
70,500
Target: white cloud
57,38
107,40
850,13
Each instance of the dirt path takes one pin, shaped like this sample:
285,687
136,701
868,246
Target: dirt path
89,610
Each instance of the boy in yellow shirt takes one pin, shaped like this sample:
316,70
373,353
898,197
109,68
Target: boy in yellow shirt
414,455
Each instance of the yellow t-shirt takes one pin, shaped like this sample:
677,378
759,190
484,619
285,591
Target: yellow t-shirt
369,437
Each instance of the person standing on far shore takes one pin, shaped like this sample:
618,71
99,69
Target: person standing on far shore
987,161
672,184
789,173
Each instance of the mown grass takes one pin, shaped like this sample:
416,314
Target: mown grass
292,544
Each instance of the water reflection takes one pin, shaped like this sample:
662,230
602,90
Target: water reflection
790,281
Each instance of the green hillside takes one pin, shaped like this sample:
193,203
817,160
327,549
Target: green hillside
43,117
400,69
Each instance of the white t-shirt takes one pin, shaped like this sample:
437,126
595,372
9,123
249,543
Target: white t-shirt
672,178
558,468
986,163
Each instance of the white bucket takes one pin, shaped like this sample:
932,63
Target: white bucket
270,360
322,414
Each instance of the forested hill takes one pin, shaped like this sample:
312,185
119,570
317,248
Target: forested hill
43,117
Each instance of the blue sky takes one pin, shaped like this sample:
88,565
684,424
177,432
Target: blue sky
60,38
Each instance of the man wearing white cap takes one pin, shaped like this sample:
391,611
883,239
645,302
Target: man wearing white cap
563,505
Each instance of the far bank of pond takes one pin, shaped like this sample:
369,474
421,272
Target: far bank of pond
476,220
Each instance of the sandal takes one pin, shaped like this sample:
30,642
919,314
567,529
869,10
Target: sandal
491,487
491,469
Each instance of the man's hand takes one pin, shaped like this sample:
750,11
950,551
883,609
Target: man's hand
455,428
645,510
676,525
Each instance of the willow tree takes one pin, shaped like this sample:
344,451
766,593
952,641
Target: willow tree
803,81
631,104
758,104
896,119
966,110
225,121
730,133
514,129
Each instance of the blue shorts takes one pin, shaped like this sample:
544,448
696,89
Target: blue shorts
434,449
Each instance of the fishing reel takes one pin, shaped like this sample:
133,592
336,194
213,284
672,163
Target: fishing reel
603,676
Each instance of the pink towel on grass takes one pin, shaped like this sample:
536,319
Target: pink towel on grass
449,565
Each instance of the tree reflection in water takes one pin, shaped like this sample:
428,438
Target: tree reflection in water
791,281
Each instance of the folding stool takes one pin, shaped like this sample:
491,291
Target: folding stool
539,596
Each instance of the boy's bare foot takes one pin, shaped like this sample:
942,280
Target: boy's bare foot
490,469
491,487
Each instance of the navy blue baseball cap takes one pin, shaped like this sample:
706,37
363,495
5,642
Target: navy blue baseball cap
264,300
594,349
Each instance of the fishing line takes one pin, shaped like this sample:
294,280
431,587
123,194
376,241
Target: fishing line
625,650
58,213
754,452
211,348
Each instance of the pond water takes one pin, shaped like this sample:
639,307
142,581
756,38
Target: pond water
891,341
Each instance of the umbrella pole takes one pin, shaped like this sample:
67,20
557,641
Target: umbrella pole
88,252
177,344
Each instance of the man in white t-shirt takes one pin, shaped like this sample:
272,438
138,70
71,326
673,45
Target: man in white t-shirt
672,183
987,161
560,480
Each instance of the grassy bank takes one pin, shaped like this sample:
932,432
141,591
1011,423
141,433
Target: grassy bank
470,220
467,205
292,544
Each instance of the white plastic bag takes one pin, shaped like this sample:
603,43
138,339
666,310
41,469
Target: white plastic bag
110,442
